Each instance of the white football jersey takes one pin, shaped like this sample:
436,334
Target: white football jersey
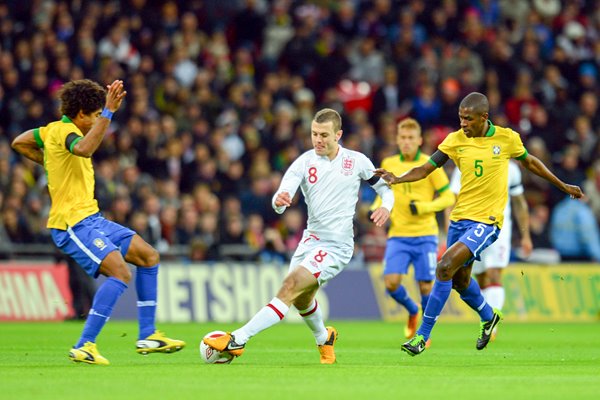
330,189
515,188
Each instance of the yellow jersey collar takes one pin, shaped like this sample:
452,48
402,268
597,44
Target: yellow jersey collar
416,156
66,119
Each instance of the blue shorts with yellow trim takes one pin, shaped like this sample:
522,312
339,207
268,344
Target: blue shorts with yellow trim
477,236
421,251
90,240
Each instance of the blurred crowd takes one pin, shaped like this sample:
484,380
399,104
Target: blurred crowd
221,95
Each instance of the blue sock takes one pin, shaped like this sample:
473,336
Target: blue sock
473,297
437,299
104,301
402,297
146,285
424,300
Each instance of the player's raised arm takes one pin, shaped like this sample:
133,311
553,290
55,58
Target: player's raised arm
89,143
26,145
534,165
417,173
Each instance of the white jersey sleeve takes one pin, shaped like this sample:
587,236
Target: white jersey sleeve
515,184
455,181
290,182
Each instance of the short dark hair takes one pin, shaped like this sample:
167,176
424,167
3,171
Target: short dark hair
328,114
476,101
81,95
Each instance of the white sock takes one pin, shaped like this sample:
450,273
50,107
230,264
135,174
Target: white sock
314,319
268,316
494,295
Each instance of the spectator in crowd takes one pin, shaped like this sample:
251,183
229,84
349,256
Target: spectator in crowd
574,231
591,186
217,92
543,252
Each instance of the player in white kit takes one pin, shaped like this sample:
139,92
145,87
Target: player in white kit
329,177
495,258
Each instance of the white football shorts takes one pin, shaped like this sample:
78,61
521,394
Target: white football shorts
498,254
323,258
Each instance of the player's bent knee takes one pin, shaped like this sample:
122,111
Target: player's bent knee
444,270
392,287
115,266
288,291
392,282
296,284
152,257
425,287
122,273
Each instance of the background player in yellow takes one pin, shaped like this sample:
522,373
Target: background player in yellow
482,152
413,232
99,246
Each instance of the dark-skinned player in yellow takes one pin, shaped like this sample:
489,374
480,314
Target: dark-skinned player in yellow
481,151
99,246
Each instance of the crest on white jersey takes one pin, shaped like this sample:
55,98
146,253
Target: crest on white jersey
347,165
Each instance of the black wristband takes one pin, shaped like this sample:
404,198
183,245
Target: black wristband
413,208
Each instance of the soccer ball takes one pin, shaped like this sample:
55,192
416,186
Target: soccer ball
212,356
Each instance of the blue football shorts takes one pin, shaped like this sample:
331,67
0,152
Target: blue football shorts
90,240
421,251
477,236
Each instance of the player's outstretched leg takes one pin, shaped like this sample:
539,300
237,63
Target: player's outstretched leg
158,343
104,301
326,349
486,329
235,341
88,353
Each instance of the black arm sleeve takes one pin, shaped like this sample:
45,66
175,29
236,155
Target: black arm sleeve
70,138
439,158
374,179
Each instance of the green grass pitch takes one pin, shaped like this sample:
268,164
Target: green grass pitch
527,361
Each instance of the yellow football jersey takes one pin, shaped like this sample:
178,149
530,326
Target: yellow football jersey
483,163
402,222
70,177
